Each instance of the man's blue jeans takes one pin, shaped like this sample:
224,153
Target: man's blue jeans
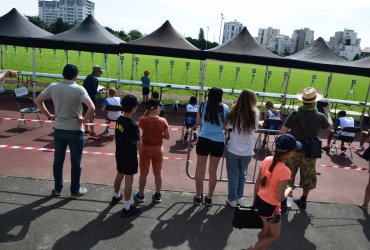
236,174
75,141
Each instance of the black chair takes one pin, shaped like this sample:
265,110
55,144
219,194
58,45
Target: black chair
268,132
346,139
111,108
25,104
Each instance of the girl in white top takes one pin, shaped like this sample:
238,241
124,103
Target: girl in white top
243,121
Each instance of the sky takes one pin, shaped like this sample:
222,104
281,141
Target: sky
325,17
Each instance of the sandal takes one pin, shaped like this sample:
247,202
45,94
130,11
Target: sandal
364,209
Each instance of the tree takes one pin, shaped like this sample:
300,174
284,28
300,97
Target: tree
201,34
59,26
36,21
135,34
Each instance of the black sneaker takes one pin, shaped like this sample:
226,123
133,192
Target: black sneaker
157,197
130,212
115,200
55,193
139,198
301,204
207,201
198,200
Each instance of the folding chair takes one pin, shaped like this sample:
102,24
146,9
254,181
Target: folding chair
25,104
111,108
269,122
346,139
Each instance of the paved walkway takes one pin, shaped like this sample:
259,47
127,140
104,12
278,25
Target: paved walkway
32,219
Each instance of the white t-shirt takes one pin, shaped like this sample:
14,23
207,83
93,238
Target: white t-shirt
241,144
113,115
346,122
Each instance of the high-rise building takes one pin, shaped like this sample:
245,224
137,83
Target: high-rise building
231,30
345,44
301,39
280,45
71,11
265,36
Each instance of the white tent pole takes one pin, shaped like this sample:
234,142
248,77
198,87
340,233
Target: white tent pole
365,105
286,86
2,57
33,73
132,70
330,78
264,84
202,72
118,72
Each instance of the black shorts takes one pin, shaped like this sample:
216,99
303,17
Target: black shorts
270,212
145,90
207,147
127,166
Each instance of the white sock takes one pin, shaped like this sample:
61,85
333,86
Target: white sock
126,205
117,195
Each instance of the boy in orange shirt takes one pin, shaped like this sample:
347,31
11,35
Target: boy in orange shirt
154,130
272,188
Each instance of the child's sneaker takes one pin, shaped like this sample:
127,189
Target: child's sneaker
139,198
198,200
82,191
207,201
115,200
130,212
157,197
95,136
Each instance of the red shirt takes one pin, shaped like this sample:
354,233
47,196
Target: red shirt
152,130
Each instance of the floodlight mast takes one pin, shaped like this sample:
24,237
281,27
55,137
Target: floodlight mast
219,38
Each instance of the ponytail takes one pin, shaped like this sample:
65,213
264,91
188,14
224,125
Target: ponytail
275,160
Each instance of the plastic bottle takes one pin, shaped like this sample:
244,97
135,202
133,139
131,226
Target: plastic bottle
289,200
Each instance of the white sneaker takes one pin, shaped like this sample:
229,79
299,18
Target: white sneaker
80,193
239,202
230,203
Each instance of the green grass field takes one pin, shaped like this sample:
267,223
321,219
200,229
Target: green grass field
48,61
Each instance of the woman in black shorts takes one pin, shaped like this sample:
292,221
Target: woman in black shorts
212,115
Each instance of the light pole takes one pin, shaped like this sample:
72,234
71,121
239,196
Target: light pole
207,37
219,38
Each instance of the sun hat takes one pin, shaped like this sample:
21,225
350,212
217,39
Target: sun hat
309,95
286,143
146,72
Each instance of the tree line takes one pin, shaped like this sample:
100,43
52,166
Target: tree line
60,26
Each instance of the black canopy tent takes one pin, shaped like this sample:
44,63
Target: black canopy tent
245,49
364,62
17,30
90,35
165,41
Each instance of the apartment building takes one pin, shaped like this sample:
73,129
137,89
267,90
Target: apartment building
301,39
266,36
231,30
71,11
345,44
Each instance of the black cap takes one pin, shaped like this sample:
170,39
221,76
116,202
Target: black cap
286,143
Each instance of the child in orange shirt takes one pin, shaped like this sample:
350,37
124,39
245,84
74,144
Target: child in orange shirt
272,187
154,130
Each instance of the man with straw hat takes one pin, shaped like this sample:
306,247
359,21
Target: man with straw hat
304,125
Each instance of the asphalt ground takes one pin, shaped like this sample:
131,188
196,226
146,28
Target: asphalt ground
32,219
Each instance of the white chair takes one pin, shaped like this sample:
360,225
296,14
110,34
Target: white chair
25,104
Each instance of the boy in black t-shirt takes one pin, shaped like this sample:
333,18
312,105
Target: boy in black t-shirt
127,136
